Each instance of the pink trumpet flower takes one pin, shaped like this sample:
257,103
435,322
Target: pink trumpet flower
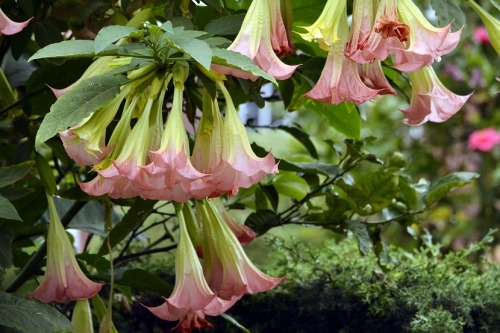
229,272
63,280
373,77
191,298
9,27
223,152
362,21
340,80
170,173
425,43
430,100
261,34
239,167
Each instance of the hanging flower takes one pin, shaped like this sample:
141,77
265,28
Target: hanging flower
191,298
484,140
425,43
229,272
9,27
363,13
85,143
340,80
326,28
430,100
170,173
261,34
63,280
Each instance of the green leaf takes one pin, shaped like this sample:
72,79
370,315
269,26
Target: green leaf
78,103
448,11
237,60
343,117
67,48
109,35
8,211
102,312
372,193
227,25
186,42
31,316
134,217
144,280
215,4
361,234
14,173
302,137
263,220
291,185
330,170
271,195
447,184
496,4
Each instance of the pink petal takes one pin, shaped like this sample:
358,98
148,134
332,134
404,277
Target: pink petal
9,27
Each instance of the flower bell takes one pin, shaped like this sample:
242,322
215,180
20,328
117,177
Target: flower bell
340,80
9,27
261,34
63,280
191,298
243,233
430,100
228,271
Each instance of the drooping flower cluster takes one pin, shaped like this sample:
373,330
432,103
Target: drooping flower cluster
214,285
381,29
152,160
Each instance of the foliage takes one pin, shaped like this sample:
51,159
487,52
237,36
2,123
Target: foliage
335,289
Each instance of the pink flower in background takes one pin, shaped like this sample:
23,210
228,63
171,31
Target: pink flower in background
63,280
481,36
484,140
9,27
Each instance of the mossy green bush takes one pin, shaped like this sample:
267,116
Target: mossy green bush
336,289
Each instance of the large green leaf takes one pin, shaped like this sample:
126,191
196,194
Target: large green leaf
68,48
361,234
302,137
11,174
447,184
227,25
31,316
186,42
87,97
7,210
343,117
372,192
237,60
448,11
134,217
109,35
263,220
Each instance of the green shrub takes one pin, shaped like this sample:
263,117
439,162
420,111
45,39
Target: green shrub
335,289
